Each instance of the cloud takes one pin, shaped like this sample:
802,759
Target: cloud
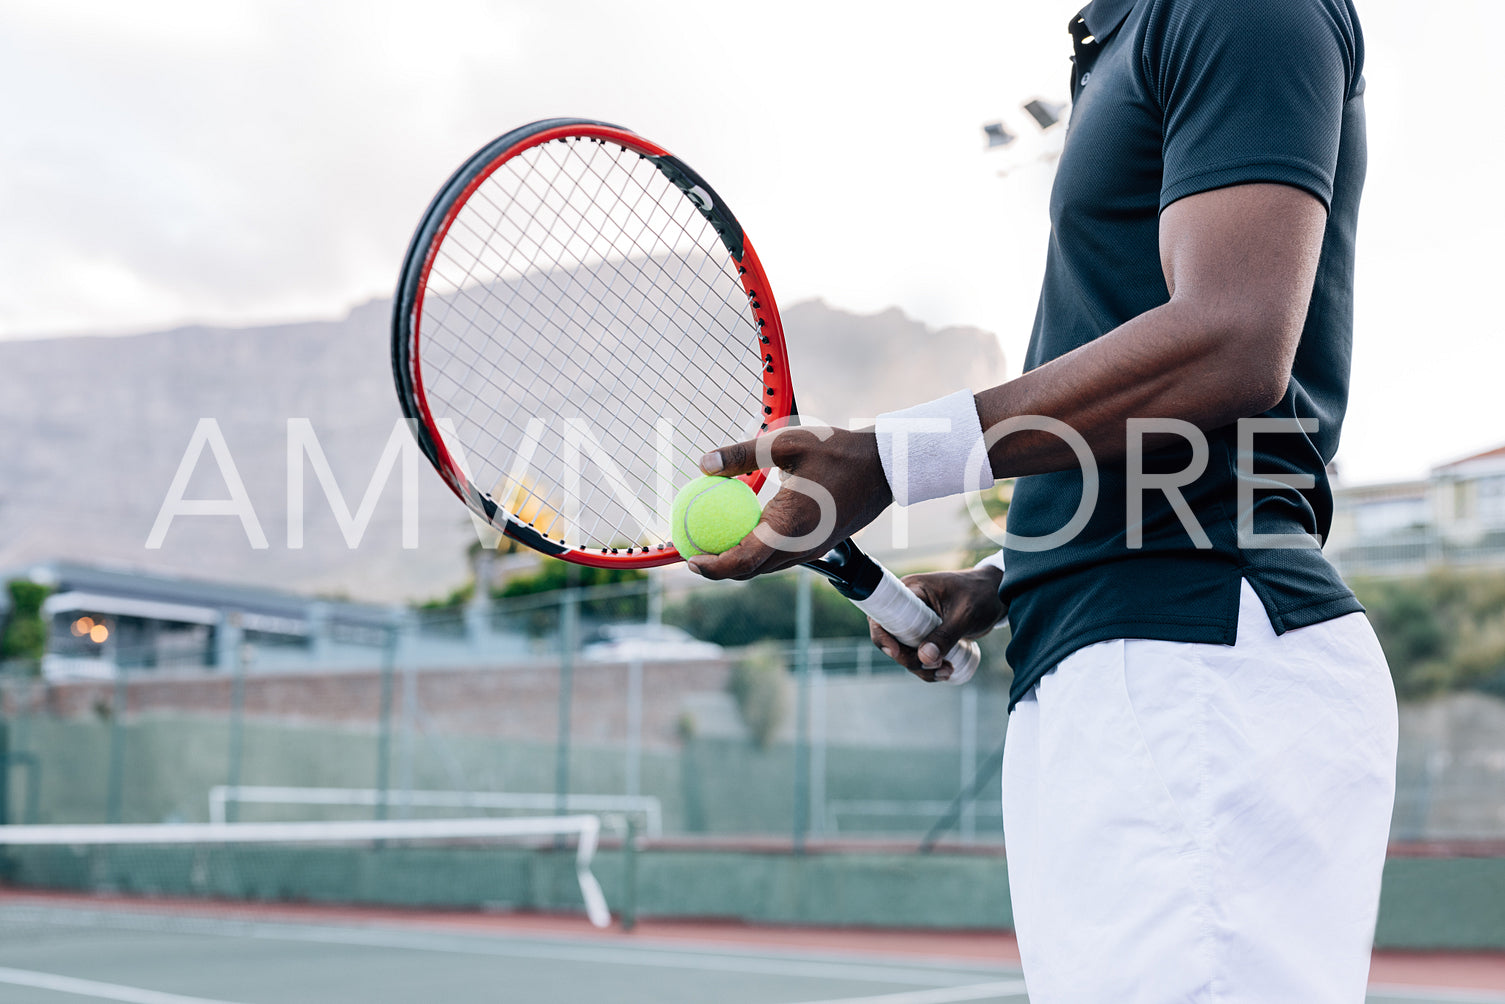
243,162
239,162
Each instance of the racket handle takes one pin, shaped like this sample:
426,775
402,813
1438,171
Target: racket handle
905,616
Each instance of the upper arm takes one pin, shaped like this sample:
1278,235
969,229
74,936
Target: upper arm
1242,260
1244,250
1251,98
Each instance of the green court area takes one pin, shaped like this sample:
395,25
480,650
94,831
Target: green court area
70,949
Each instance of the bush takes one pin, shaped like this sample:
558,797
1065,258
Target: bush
763,610
457,598
599,605
995,502
1442,632
25,636
760,685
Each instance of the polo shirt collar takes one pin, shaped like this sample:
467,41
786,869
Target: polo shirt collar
1102,17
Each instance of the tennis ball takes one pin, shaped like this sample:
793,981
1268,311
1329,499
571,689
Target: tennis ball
712,514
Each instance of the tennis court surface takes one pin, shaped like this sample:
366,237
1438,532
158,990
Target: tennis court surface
381,834
67,947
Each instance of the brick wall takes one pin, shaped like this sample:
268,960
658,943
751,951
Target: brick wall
514,702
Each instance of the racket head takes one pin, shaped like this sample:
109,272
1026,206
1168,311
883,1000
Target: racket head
579,316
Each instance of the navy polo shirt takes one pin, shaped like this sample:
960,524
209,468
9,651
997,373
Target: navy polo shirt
1172,98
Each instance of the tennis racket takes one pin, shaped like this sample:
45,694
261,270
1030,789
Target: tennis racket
579,317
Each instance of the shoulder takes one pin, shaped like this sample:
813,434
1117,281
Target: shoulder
1173,33
1172,15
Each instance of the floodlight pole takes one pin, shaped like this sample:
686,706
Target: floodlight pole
802,620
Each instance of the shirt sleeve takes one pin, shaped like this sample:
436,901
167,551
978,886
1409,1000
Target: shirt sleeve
1252,91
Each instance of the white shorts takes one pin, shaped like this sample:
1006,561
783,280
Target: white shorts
1203,823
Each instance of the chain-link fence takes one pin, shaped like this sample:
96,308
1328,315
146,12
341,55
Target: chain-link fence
729,709
740,709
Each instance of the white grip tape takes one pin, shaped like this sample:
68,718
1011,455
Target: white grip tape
905,616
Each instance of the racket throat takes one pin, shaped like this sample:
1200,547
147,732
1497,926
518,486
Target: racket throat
852,573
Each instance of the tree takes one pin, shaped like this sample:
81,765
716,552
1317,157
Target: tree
25,637
760,685
734,614
600,601
1444,631
995,503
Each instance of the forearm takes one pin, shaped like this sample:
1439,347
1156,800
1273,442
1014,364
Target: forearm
1175,361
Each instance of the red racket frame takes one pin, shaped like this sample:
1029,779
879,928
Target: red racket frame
778,392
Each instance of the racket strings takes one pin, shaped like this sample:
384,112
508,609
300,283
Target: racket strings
617,445
730,294
675,281
579,284
555,456
598,304
698,240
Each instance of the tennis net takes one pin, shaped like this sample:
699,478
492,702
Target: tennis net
468,863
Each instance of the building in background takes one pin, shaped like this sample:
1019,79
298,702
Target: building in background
103,619
1455,516
1468,500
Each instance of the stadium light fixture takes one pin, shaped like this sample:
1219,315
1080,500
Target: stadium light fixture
998,135
1045,115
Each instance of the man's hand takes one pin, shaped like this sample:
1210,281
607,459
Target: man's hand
833,486
969,607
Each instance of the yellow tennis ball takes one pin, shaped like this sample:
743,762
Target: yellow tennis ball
712,514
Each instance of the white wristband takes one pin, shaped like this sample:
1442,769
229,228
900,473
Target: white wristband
994,560
934,449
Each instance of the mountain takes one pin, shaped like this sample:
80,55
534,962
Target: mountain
849,367
97,427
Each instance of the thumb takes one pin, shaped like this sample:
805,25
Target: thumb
933,648
738,458
938,656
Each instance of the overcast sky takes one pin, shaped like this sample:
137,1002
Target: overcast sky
242,162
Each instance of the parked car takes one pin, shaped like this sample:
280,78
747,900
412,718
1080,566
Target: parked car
649,643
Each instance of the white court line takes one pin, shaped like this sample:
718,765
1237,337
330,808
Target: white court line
1015,988
97,990
534,950
1401,992
606,955
944,995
